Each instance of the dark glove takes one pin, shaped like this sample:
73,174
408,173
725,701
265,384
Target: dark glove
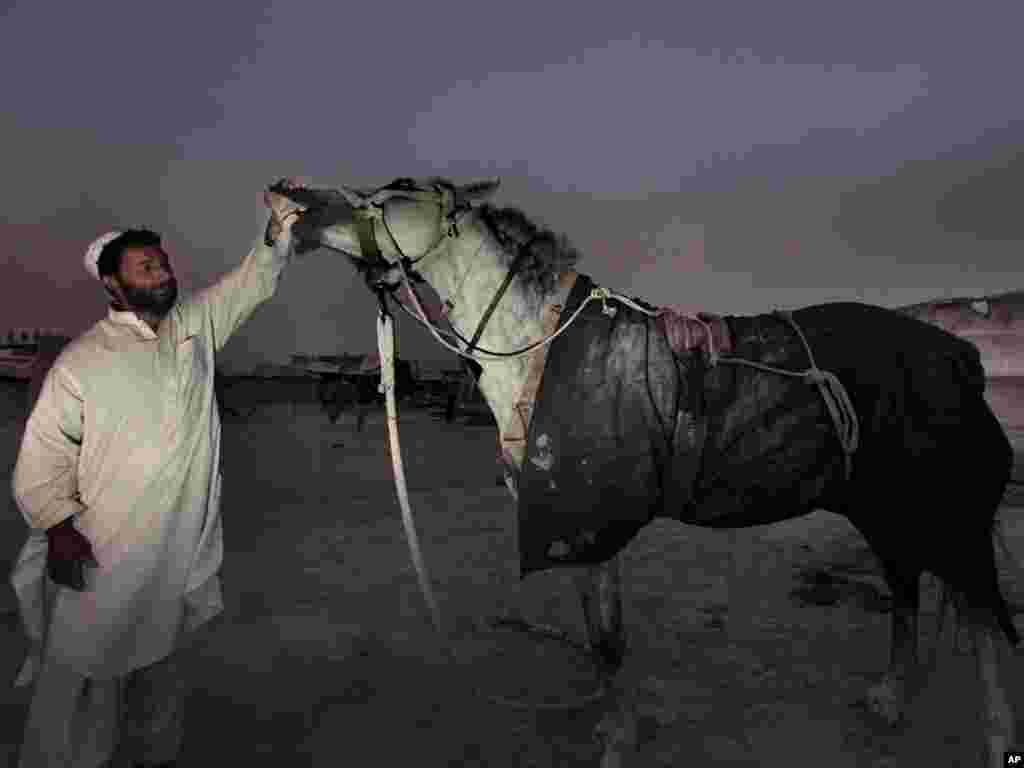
67,555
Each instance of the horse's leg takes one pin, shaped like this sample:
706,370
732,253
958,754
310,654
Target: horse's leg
889,697
600,589
997,715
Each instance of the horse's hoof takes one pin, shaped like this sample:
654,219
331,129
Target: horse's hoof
990,759
619,737
613,758
887,700
614,755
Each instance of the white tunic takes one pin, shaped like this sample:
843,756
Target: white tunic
125,435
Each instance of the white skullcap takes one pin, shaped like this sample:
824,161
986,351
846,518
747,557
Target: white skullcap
92,254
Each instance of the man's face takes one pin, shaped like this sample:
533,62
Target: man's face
146,281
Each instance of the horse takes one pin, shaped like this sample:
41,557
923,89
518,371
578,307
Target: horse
611,412
336,395
338,392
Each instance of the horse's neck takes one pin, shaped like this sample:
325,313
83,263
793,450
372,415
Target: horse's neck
469,275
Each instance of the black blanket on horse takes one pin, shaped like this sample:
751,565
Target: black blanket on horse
624,429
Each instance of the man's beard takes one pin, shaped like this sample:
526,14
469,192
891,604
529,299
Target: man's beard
154,301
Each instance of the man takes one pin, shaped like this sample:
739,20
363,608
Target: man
117,476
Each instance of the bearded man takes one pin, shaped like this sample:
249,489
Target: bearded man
118,478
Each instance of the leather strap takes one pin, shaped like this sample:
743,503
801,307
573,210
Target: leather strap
367,242
688,439
512,270
513,439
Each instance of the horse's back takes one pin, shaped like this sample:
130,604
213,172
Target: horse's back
891,361
917,388
773,449
864,335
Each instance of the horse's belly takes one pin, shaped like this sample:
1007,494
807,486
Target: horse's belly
726,508
757,482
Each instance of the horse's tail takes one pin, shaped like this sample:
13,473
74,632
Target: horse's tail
986,591
1003,471
1003,615
956,601
976,593
951,600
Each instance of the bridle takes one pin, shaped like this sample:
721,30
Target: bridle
370,209
452,210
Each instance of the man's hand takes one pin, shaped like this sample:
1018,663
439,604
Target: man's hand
283,212
67,555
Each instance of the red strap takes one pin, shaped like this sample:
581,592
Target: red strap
686,333
435,314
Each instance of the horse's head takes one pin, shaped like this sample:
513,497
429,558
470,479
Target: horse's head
406,219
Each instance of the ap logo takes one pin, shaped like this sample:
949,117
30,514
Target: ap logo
1015,758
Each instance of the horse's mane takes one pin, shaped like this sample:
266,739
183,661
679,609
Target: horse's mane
547,254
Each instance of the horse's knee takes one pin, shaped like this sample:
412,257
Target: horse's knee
611,650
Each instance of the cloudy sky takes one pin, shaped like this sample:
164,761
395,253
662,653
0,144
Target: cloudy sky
729,156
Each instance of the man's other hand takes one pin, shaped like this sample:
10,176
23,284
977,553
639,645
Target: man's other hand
68,553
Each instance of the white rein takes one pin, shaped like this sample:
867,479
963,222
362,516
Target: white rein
386,347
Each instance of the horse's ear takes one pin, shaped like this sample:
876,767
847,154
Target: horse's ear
478,191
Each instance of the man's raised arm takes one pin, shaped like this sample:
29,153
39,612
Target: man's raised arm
233,298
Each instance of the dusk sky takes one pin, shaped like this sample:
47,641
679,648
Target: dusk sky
728,156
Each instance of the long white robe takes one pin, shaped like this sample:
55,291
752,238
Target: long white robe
125,436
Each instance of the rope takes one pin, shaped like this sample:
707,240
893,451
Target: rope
836,398
420,316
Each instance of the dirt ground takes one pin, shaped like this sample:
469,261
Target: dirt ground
325,655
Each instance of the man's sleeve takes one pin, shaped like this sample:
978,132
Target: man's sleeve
45,479
232,299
